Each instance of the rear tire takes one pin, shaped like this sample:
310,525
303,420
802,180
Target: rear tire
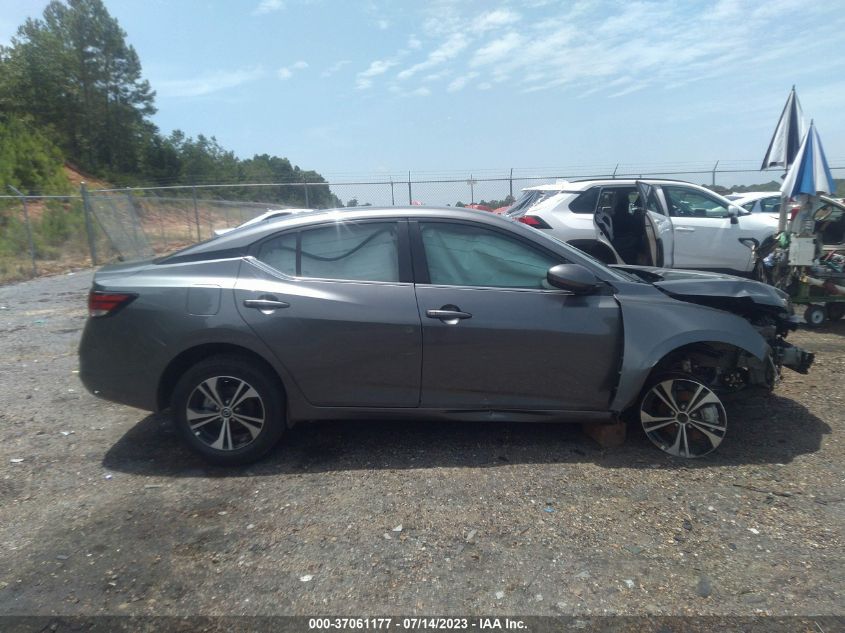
229,410
814,316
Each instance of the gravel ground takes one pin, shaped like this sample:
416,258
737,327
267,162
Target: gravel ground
102,511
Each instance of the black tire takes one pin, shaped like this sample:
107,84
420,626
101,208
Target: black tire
835,310
814,316
695,428
246,432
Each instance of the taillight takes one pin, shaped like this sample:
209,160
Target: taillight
534,222
105,303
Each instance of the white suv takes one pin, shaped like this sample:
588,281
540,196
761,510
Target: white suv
648,222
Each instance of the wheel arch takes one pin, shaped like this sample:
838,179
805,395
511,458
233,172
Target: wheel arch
634,379
193,355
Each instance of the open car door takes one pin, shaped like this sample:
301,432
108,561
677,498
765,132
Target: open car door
657,225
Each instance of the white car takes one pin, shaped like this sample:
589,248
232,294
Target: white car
651,222
758,201
269,214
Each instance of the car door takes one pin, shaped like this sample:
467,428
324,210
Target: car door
706,236
496,335
336,304
659,228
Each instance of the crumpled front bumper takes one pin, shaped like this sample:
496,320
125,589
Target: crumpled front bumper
788,355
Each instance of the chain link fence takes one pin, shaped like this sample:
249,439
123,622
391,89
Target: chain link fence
52,234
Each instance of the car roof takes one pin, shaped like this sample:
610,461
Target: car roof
754,195
237,240
555,186
584,183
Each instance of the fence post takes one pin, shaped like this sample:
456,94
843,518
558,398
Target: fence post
307,203
28,230
196,212
410,197
135,219
713,180
89,225
392,198
510,180
614,171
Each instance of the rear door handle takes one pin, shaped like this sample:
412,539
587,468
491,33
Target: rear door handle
685,229
265,304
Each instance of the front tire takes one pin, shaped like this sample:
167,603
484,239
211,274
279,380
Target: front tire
682,416
229,410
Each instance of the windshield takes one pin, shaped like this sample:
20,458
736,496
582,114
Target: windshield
527,200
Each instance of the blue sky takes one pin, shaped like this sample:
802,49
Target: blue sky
357,88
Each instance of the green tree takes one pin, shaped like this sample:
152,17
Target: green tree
73,71
29,161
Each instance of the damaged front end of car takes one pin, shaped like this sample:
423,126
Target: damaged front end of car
765,308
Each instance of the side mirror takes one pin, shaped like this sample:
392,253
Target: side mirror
572,277
733,213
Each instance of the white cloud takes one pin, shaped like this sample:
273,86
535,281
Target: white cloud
383,24
459,82
286,72
378,67
603,48
207,83
268,6
421,92
497,50
450,49
494,19
331,70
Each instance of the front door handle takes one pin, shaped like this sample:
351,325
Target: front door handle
266,304
685,229
449,314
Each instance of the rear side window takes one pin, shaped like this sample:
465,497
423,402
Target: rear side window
586,202
461,255
357,252
280,253
770,205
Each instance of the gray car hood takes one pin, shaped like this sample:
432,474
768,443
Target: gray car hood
715,289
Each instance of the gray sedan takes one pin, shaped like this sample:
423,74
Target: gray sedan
424,313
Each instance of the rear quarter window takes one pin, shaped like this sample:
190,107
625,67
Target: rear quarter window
585,202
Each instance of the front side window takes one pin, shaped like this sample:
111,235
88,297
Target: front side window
359,252
652,203
462,255
684,202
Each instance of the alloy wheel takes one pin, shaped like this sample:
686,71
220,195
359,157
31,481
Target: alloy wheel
683,417
225,413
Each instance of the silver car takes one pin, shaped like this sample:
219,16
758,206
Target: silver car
424,313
